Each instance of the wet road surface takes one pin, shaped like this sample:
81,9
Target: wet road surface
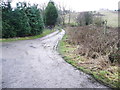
37,64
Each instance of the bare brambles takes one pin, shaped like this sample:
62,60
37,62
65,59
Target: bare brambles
93,43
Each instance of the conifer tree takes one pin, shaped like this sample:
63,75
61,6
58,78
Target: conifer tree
36,20
7,27
24,20
51,14
21,21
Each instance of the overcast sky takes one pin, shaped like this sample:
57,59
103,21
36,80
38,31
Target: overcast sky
79,5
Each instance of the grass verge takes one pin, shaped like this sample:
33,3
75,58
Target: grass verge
45,32
108,78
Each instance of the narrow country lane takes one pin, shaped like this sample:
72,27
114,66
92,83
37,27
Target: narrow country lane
37,64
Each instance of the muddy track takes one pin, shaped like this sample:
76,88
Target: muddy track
37,64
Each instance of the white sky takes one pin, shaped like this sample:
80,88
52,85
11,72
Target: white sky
79,5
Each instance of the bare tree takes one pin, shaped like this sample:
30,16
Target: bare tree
62,12
69,15
42,7
81,19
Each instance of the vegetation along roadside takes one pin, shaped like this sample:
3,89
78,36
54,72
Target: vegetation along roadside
78,53
45,32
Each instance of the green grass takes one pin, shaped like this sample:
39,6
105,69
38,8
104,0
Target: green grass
101,76
98,75
45,32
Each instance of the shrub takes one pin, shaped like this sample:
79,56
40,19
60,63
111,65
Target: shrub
115,56
98,21
92,42
72,24
85,18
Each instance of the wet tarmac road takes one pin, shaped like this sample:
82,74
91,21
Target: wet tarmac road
37,64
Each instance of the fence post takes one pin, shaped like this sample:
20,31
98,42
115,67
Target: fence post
105,26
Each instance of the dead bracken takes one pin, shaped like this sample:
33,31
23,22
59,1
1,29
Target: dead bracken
94,51
93,43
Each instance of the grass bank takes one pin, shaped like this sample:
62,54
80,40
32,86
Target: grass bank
107,77
45,32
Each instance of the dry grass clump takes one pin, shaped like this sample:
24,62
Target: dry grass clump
92,42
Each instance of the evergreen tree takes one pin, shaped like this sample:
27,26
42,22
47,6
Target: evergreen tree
51,14
7,27
21,21
36,20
